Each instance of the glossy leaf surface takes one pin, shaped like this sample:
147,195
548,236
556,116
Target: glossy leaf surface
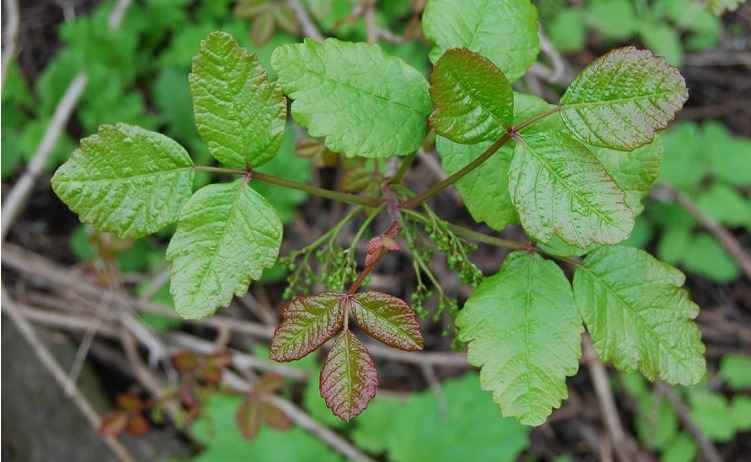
239,114
307,323
622,98
126,180
336,96
388,319
227,235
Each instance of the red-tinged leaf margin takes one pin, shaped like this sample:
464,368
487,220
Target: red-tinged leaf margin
349,378
249,418
185,361
388,319
220,359
211,374
129,402
137,425
275,417
113,423
307,323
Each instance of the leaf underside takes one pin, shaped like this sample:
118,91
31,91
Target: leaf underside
622,98
560,188
307,323
473,100
639,316
126,180
348,378
227,235
238,113
336,96
524,331
504,31
388,319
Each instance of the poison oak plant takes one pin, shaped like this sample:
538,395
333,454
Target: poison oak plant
571,174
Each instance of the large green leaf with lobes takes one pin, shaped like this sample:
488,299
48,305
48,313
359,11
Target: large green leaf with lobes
560,188
525,333
473,100
362,101
126,180
622,98
227,235
238,113
639,316
504,31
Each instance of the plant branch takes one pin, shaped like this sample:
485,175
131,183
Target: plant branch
707,448
326,193
10,36
58,374
435,189
309,27
534,119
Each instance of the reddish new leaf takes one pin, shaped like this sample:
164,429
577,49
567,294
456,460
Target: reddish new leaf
275,417
269,383
349,378
137,425
388,319
185,361
249,418
308,322
129,402
219,359
113,423
211,374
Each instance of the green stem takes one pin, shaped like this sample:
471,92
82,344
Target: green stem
327,193
403,168
435,189
534,119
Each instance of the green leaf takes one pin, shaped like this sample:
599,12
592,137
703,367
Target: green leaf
364,102
622,98
706,256
238,113
560,187
219,434
485,189
567,30
504,31
675,244
684,162
720,6
388,319
226,236
740,413
473,100
736,371
525,333
639,316
126,180
633,171
614,20
681,449
725,204
664,40
307,323
711,413
421,429
348,378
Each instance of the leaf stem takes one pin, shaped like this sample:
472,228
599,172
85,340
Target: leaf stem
531,120
326,193
435,189
403,168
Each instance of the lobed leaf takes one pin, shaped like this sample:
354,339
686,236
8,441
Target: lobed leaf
337,97
239,114
307,323
622,98
348,378
639,316
473,99
388,319
524,332
227,235
504,31
126,180
560,188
